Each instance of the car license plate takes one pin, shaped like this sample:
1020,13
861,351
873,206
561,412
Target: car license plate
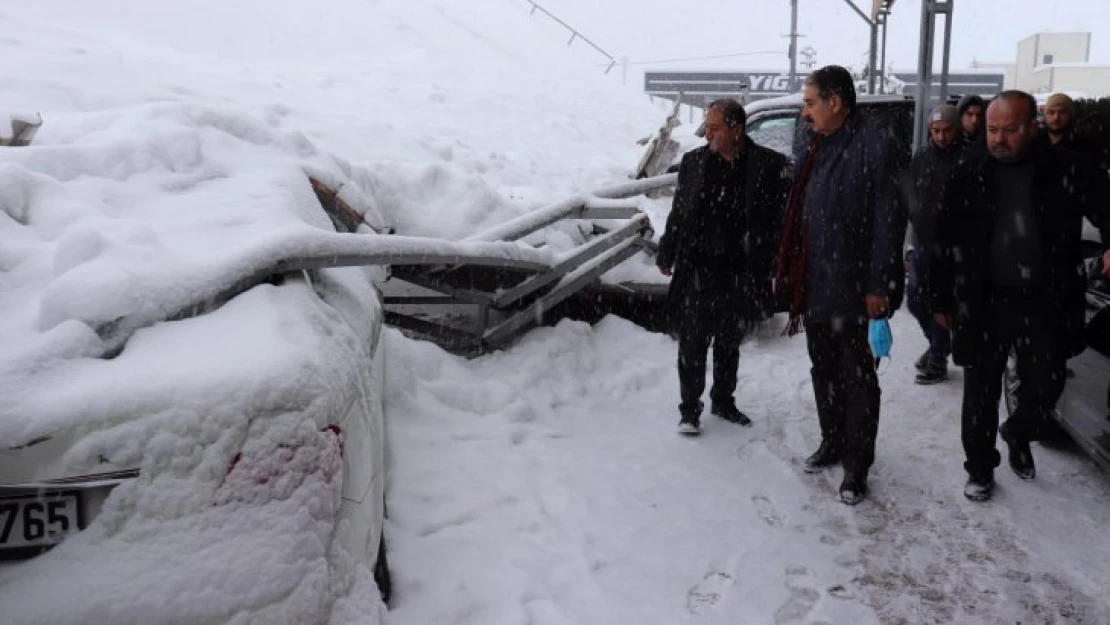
38,520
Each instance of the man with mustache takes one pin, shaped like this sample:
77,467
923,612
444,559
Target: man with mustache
719,243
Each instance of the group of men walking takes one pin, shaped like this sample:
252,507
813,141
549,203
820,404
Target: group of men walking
995,263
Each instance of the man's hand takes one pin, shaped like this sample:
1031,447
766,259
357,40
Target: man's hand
666,271
1106,264
877,306
943,320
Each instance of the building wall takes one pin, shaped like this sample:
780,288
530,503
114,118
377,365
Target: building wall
1023,68
1062,48
1043,49
1093,80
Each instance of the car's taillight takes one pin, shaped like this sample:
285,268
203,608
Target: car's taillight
264,474
338,432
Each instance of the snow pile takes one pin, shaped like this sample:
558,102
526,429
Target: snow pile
172,163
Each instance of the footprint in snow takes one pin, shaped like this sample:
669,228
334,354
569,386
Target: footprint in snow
801,601
708,592
767,511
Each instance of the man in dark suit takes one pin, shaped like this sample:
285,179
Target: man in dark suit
1008,274
719,245
840,263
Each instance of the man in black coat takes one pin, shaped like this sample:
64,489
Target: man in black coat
719,243
973,110
1008,274
931,168
841,264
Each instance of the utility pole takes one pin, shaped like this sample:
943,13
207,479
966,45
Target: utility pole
885,15
793,43
930,11
872,58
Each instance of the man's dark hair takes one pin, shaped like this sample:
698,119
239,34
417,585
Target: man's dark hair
833,80
731,109
1015,95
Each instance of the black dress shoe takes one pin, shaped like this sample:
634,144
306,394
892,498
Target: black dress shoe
854,488
825,456
1021,456
729,412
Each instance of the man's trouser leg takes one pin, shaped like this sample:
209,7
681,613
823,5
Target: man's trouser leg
940,340
861,397
915,302
982,390
728,333
847,391
826,393
694,335
1040,367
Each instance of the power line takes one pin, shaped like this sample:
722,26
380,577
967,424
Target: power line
704,58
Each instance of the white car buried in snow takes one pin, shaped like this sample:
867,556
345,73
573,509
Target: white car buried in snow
191,427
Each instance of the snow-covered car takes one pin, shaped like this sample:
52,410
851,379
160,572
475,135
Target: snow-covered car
46,497
191,413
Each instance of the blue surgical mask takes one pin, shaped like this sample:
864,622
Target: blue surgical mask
880,338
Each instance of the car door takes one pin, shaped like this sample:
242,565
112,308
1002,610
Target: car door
1084,409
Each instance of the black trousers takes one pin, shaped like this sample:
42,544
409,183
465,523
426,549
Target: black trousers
708,318
846,389
1019,322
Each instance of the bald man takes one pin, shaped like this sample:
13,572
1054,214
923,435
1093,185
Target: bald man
1005,277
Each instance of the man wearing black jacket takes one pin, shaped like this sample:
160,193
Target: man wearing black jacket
973,110
1007,274
719,243
931,167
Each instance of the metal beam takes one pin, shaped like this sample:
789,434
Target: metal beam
872,59
793,53
882,58
930,10
412,276
862,15
924,74
944,54
577,258
570,208
873,27
570,284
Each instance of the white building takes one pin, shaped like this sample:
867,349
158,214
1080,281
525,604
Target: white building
1050,62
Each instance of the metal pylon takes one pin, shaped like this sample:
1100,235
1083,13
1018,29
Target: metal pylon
931,10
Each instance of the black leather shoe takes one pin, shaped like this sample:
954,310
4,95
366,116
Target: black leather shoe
854,488
1021,456
825,456
729,412
979,487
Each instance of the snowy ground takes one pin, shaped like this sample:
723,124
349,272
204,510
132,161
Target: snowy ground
547,485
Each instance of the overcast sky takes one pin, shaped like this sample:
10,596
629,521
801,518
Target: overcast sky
654,30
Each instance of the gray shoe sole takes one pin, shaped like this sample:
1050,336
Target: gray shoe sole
689,430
